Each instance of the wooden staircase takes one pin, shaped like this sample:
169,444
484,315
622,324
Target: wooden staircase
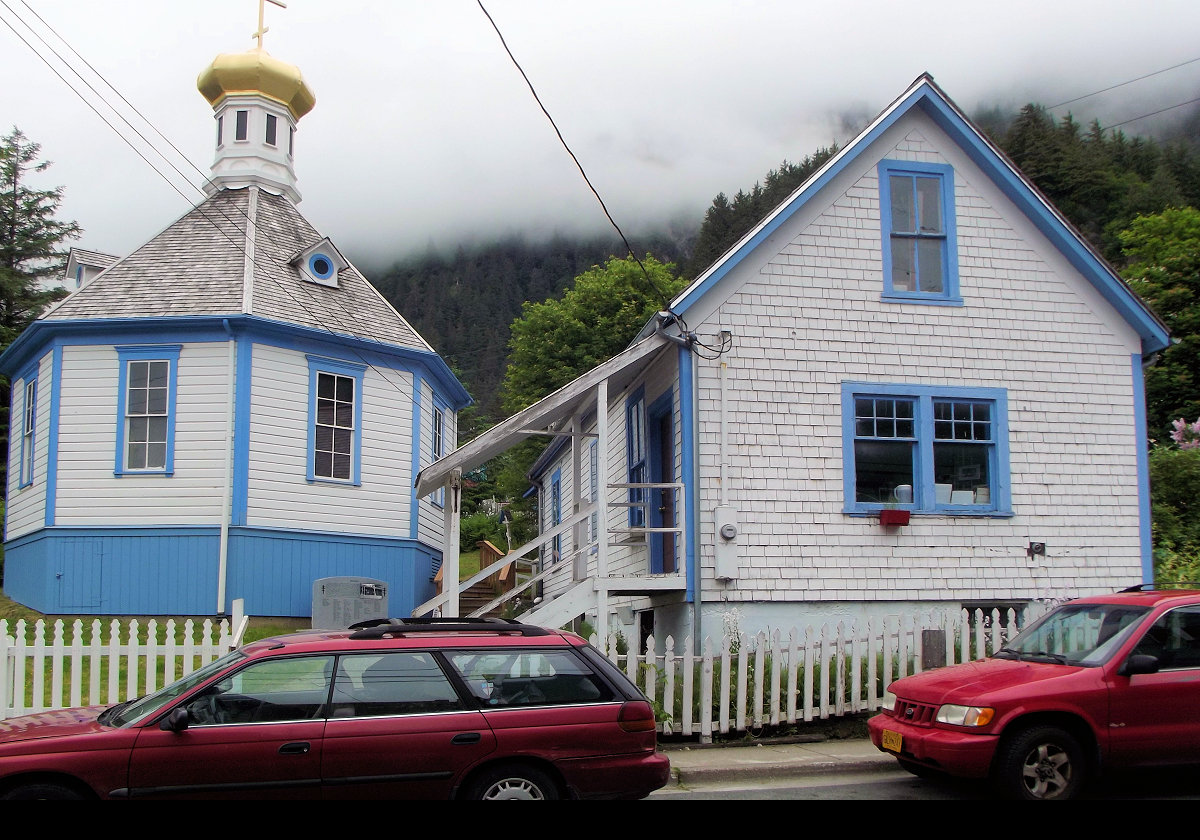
487,590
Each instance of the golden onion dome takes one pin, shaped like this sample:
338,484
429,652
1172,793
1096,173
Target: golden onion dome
256,72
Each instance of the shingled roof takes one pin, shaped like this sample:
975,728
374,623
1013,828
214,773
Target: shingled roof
231,255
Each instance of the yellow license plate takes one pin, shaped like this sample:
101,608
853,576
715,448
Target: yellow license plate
892,740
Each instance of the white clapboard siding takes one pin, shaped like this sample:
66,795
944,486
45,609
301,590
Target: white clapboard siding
26,506
279,494
88,493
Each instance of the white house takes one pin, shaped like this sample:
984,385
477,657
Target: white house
232,410
914,329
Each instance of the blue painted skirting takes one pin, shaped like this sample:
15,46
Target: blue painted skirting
173,571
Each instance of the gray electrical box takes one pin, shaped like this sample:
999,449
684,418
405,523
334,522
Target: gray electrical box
339,602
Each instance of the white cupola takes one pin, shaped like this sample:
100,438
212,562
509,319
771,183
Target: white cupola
257,101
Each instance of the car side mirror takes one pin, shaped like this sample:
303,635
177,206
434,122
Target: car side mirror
1139,663
176,721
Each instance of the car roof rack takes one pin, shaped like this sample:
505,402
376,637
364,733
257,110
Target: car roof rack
377,628
1151,587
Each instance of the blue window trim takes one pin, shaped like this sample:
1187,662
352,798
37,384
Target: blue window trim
949,296
924,492
437,443
30,376
414,512
338,367
146,353
636,467
556,514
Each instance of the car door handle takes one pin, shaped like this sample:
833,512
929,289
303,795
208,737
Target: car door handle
466,738
295,748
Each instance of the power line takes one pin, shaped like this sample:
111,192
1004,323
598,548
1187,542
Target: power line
1122,84
666,303
1151,114
253,258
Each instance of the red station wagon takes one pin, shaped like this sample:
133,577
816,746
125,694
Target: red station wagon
400,709
1098,683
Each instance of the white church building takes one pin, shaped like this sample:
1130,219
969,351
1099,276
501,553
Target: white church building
230,411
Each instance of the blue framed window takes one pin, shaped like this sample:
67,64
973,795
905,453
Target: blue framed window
926,449
437,443
593,456
28,426
335,420
635,453
920,252
146,409
556,514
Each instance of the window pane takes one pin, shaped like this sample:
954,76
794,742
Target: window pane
138,429
156,401
964,466
344,415
929,194
341,440
391,684
880,467
903,212
136,402
326,412
929,255
156,429
341,466
323,464
136,456
156,456
139,373
158,374
325,383
903,267
240,132
345,389
324,438
271,129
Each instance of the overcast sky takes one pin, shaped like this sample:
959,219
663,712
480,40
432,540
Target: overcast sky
424,132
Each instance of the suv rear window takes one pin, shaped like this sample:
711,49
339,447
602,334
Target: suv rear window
500,679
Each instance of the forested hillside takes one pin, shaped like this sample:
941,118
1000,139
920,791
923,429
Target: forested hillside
464,305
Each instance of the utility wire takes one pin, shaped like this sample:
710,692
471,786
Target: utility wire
1122,84
666,303
254,259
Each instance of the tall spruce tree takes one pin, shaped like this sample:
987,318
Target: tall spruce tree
31,248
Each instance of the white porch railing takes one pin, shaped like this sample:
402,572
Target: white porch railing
745,683
48,666
580,554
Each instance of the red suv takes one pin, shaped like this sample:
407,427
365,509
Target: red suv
1102,682
414,709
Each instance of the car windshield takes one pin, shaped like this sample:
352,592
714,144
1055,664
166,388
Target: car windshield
131,712
1076,634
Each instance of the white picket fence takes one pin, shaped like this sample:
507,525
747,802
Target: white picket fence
742,684
45,667
747,683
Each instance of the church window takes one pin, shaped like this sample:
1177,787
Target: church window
335,420
146,409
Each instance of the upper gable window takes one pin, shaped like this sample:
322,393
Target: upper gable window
272,130
320,269
241,129
920,254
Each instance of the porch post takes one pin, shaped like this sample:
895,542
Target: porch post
450,512
602,513
578,558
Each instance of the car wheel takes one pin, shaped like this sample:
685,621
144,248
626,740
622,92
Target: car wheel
513,781
1043,762
41,791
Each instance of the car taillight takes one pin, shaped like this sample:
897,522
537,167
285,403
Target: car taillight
636,716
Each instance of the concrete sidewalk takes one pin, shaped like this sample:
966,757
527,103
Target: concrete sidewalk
695,764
